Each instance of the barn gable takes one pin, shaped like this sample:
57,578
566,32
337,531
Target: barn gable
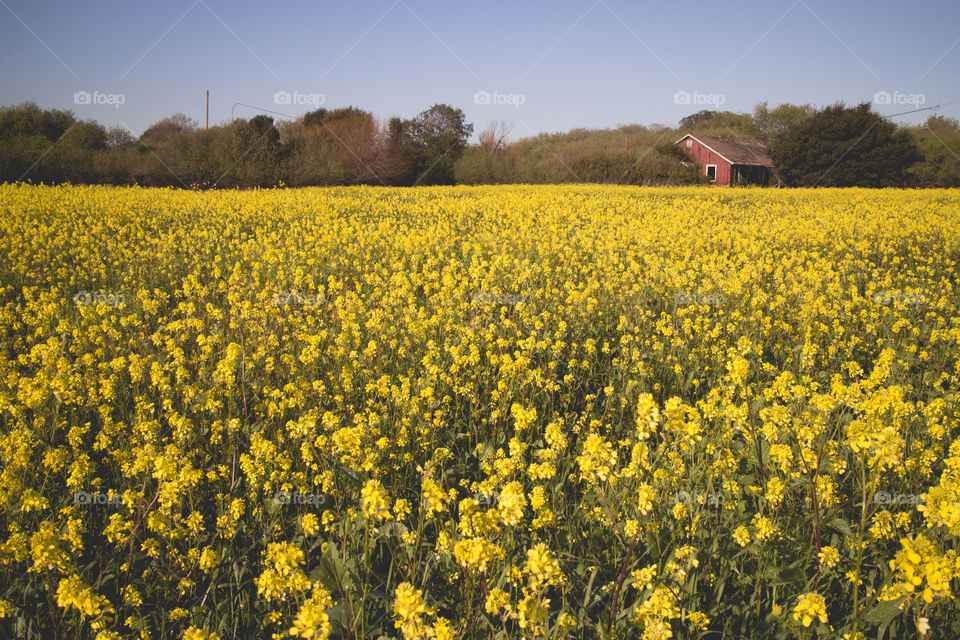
729,160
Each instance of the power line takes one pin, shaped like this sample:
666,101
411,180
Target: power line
933,108
241,104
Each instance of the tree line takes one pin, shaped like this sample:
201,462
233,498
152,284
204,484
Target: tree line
831,146
344,146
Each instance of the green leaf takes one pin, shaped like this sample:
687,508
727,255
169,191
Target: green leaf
586,595
842,526
884,612
793,574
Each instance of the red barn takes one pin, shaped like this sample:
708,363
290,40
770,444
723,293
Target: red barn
728,161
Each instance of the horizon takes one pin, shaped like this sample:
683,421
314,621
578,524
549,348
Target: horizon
592,65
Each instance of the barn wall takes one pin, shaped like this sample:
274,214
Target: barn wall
704,156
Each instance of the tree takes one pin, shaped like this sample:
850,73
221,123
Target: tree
27,138
720,123
28,119
85,135
314,118
119,137
939,142
490,161
161,131
49,145
690,122
494,137
343,146
434,139
770,123
323,116
253,152
843,146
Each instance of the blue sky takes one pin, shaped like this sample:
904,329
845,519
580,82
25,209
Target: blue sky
542,66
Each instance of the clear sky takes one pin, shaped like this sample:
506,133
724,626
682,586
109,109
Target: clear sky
540,65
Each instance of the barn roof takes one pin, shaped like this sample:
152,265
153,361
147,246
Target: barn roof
734,150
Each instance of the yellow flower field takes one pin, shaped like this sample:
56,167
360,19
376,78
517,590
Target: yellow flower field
494,412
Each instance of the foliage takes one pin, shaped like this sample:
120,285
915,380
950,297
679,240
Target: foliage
844,147
726,124
939,143
580,156
772,124
348,146
435,138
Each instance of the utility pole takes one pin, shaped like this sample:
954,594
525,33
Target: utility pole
206,124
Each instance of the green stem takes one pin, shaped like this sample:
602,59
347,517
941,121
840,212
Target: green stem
366,580
863,520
